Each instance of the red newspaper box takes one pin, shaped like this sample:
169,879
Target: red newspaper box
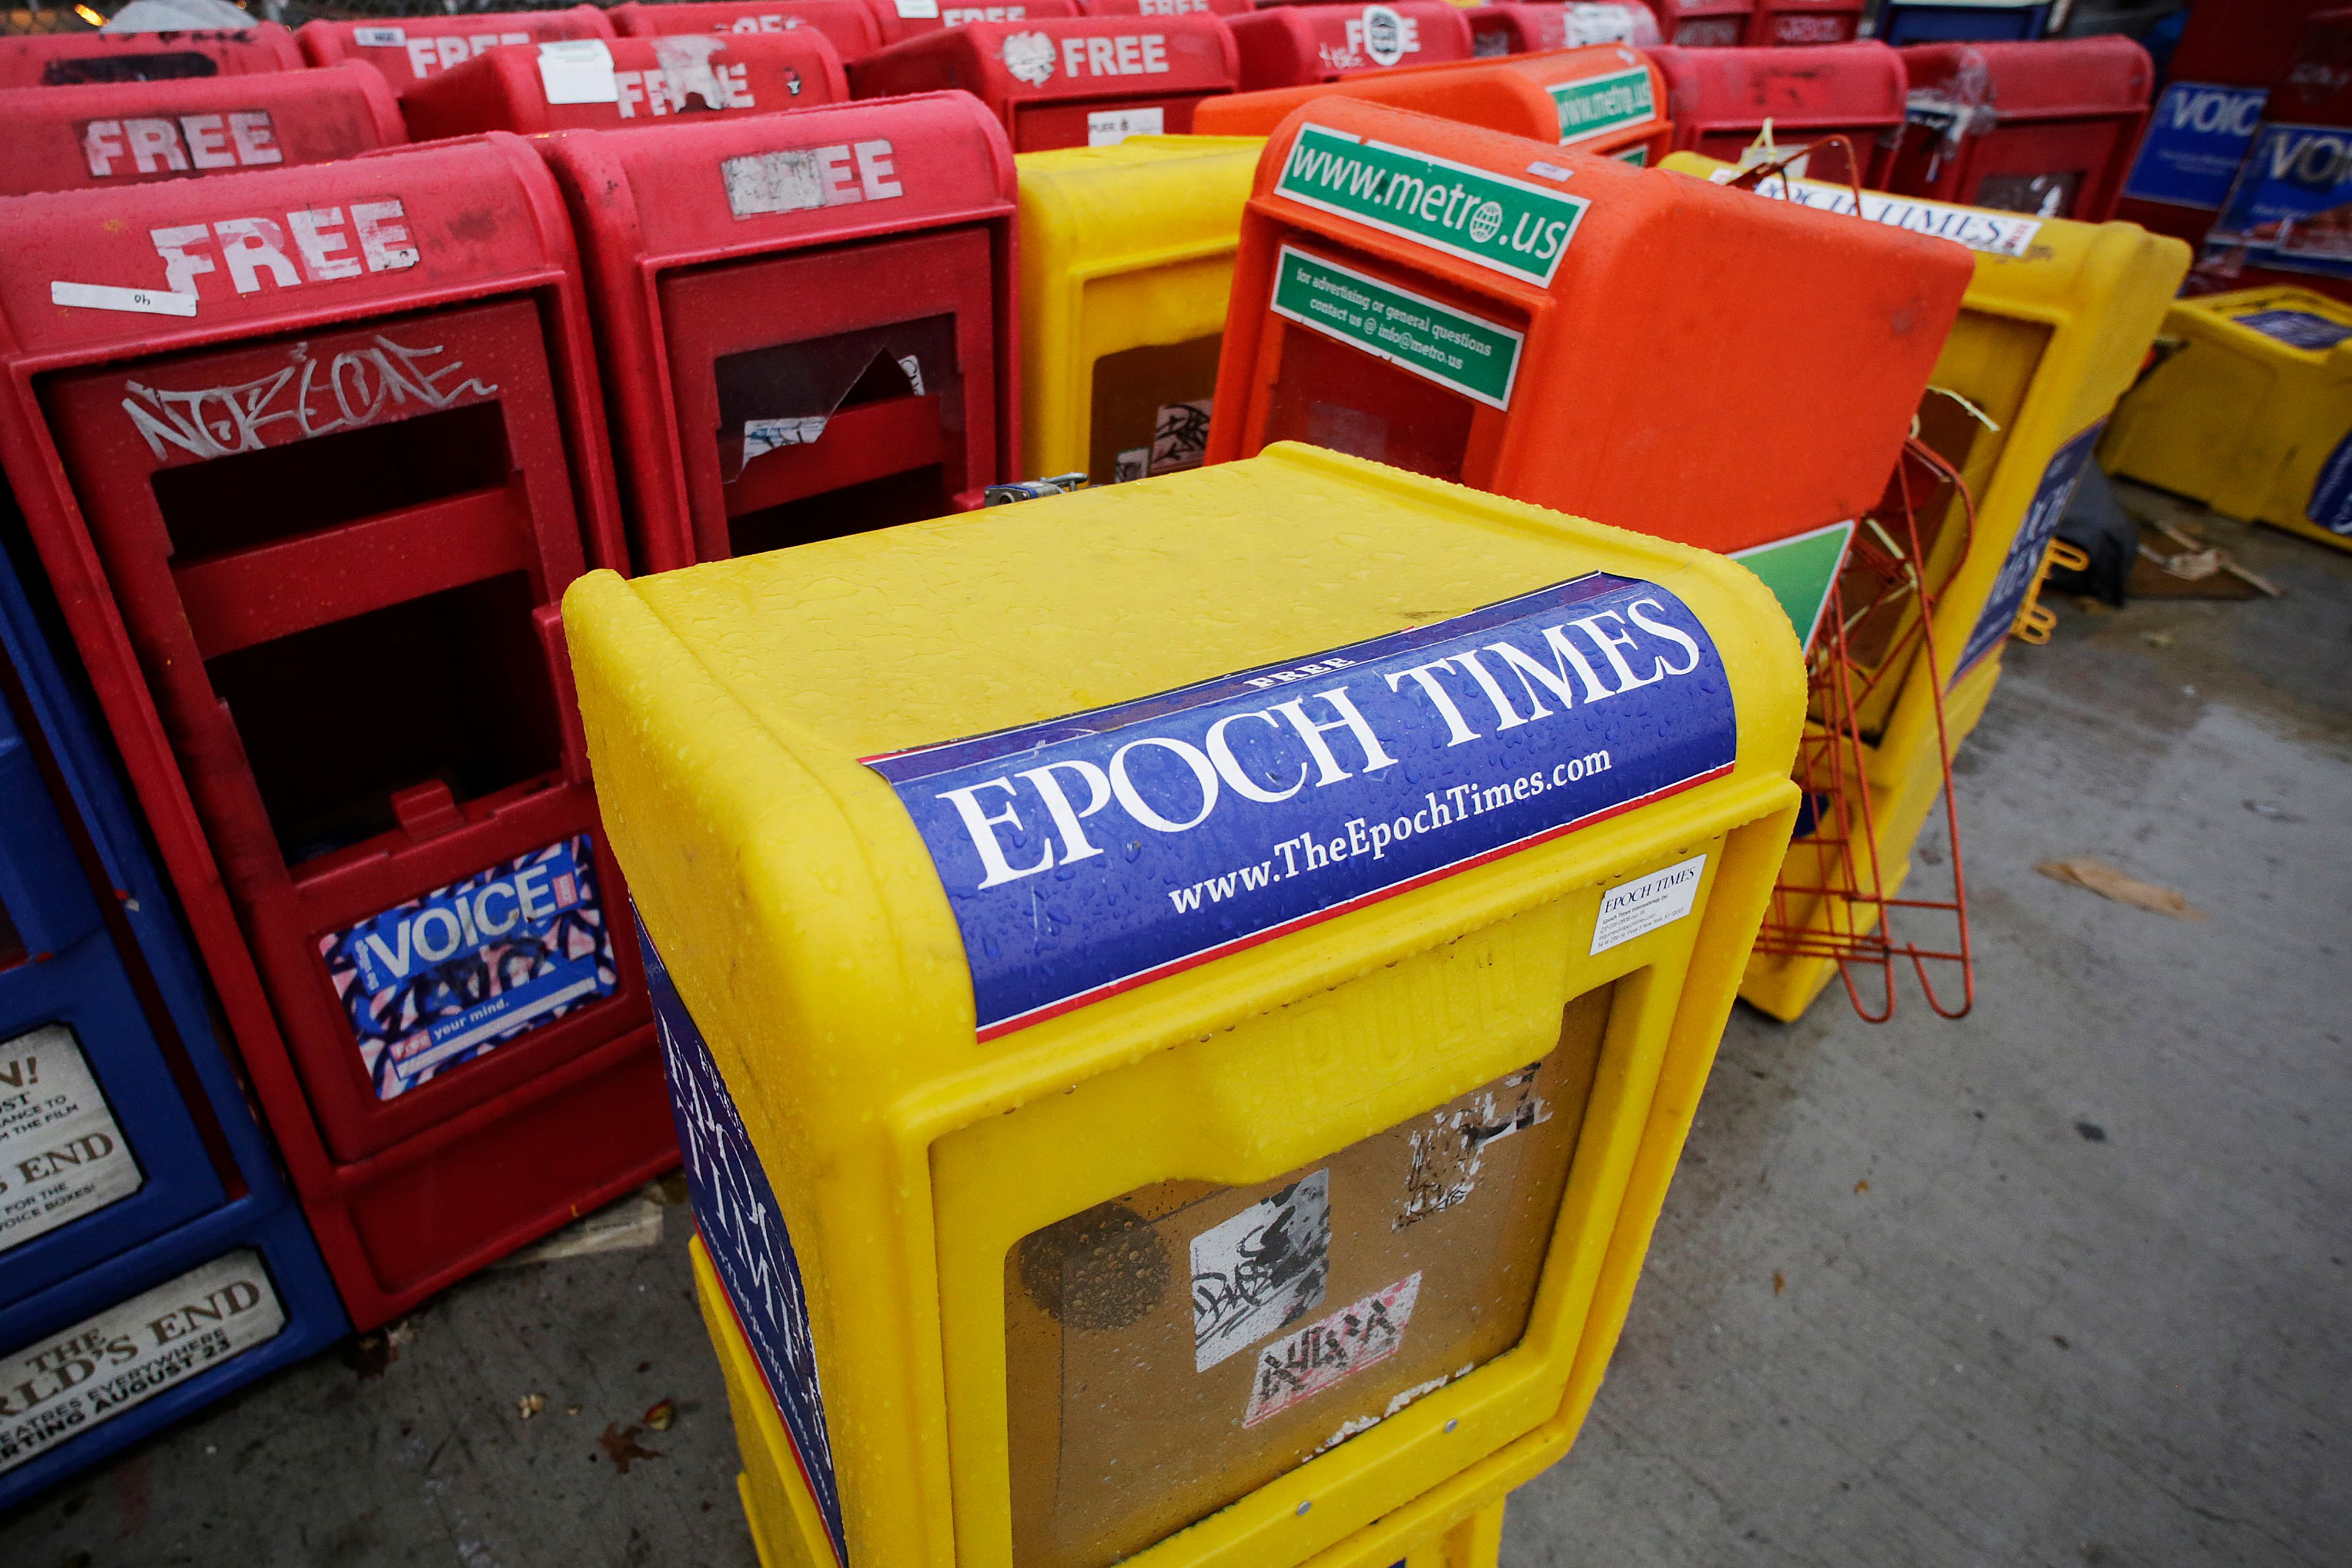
1291,46
1085,81
1507,315
1165,7
1720,99
75,59
1705,24
2047,128
644,81
1515,29
2231,53
849,24
902,20
808,319
309,457
1779,24
410,48
1606,100
127,133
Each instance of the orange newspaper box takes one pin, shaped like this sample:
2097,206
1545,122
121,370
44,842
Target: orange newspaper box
849,25
1606,100
1719,100
1555,328
1291,46
411,48
1087,81
644,81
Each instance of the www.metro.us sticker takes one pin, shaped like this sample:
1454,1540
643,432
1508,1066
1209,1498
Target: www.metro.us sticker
1086,854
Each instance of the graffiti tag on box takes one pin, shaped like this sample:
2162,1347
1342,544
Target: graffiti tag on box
309,396
454,974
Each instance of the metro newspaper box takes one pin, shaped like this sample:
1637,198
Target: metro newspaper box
2252,416
902,20
1950,21
126,134
641,82
141,1210
849,25
1497,311
1516,29
2047,128
1783,23
1606,100
78,60
808,319
1719,100
408,49
1705,24
1291,46
1261,1172
2056,324
2220,73
307,455
1127,263
1082,82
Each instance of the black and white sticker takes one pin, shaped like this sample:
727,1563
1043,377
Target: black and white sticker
61,1154
1261,1271
1643,905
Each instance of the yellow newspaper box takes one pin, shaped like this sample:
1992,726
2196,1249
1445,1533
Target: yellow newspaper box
1127,258
1183,999
2053,328
2252,416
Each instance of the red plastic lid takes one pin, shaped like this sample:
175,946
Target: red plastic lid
595,84
2047,79
1530,28
1861,83
1165,7
850,24
902,20
1290,45
408,49
1079,57
2241,43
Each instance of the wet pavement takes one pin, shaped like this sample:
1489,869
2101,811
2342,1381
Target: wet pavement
2065,1282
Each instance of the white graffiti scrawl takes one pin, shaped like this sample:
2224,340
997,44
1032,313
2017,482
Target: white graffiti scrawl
314,397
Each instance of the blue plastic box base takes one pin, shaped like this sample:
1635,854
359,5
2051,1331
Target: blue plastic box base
1900,25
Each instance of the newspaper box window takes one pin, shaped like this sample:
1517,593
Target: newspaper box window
830,294
313,427
1435,983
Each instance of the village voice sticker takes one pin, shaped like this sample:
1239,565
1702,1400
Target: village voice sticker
61,1154
56,1388
452,975
1086,855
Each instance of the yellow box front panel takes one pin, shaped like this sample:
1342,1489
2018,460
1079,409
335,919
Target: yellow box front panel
2251,413
945,1194
1127,260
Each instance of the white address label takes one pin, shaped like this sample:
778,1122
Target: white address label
1109,127
60,1386
106,297
578,71
61,1154
1633,909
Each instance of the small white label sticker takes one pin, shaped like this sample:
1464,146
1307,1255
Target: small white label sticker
63,1383
1261,1270
1331,1350
1384,35
919,10
106,297
1550,171
578,71
1109,127
379,37
1645,903
61,1154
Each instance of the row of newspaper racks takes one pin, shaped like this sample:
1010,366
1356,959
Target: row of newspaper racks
904,863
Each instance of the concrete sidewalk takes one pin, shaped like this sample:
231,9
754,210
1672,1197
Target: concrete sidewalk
2063,1283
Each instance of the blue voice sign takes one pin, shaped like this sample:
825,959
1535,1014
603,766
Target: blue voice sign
2195,142
1086,855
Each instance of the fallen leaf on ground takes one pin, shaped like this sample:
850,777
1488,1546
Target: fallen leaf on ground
370,1354
572,1410
660,1415
2091,872
1780,1281
1862,1185
530,1404
620,1445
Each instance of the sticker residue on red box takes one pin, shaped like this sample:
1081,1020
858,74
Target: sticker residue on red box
1331,1350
